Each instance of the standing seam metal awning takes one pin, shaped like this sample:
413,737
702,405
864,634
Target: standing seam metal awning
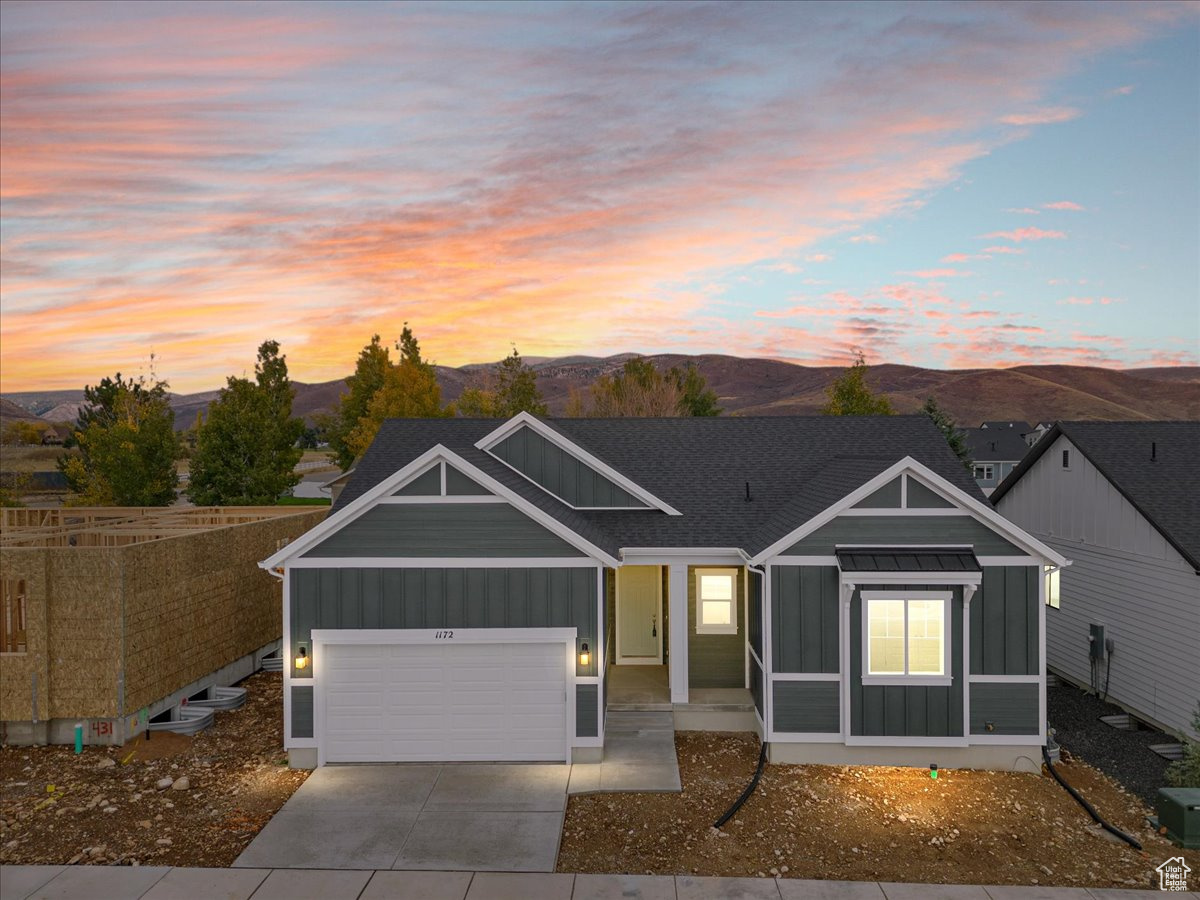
908,559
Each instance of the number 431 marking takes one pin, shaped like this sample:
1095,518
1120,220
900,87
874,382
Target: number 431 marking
442,635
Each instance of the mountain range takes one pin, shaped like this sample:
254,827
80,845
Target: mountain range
774,387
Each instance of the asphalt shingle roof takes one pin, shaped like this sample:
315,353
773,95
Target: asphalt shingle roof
996,444
1165,489
796,466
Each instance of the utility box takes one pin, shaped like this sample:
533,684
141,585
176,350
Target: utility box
1179,812
1096,641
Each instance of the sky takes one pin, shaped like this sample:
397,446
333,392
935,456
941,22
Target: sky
941,185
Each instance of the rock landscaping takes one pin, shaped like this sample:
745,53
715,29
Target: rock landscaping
865,823
171,800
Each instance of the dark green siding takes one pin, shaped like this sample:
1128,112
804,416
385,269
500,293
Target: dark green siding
716,660
806,707
887,497
898,710
442,530
754,613
884,530
302,711
804,618
561,473
1004,622
587,703
756,687
1010,708
921,497
427,484
459,485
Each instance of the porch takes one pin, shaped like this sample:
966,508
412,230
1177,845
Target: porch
646,689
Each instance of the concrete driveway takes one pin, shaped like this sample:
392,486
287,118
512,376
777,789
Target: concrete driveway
463,817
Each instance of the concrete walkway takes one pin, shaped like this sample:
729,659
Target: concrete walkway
505,818
639,755
158,883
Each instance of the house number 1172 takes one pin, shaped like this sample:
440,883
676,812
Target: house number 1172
442,635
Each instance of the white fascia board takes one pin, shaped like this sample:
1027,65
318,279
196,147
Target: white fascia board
939,486
524,419
343,477
368,500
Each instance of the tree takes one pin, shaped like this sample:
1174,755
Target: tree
22,431
697,398
512,390
127,445
641,390
955,436
369,373
1186,772
850,396
409,390
246,448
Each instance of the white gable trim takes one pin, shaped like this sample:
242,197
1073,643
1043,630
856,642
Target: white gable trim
935,483
393,482
525,420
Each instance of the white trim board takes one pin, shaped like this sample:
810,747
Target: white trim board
524,419
367,501
442,562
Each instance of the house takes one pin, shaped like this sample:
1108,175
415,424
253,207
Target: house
996,448
481,590
110,616
1122,499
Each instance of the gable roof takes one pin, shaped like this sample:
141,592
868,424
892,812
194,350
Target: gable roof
1166,489
995,444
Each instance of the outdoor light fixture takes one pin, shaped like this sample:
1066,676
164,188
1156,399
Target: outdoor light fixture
933,771
585,656
302,657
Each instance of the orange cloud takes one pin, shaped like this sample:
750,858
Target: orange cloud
1050,115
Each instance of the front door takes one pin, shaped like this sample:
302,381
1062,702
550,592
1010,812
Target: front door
639,615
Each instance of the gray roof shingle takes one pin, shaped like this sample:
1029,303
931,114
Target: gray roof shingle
995,444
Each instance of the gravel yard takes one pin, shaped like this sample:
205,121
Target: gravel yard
105,807
1123,755
863,823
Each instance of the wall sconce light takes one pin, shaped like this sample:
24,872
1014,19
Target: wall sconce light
302,657
585,656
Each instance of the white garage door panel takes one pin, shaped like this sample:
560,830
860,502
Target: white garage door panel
444,702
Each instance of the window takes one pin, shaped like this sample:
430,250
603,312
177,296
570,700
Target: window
983,473
716,601
1052,576
12,617
905,637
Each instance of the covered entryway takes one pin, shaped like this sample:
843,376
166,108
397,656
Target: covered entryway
639,616
470,696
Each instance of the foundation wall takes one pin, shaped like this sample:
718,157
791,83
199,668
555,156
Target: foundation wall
1017,758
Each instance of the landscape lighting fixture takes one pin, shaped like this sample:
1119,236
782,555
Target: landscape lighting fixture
585,656
302,657
933,771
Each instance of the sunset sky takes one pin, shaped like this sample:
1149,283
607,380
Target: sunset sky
945,185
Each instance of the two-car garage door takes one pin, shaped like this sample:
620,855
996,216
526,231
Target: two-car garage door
444,701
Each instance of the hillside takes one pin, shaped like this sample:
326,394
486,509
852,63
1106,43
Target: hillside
773,387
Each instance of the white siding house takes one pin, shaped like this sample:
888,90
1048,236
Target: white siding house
1133,571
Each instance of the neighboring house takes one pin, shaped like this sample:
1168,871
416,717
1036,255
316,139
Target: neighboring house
837,584
996,448
1122,499
1035,434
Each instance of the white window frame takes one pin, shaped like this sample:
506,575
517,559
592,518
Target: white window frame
732,627
988,472
947,639
1053,578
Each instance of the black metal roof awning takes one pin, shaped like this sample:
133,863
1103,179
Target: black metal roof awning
908,559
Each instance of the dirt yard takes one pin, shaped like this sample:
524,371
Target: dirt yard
104,806
864,824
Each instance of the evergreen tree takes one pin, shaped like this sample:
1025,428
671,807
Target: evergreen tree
127,444
513,389
246,449
369,373
955,437
850,396
697,398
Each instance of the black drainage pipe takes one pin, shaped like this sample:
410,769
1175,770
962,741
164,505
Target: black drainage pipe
732,811
1091,811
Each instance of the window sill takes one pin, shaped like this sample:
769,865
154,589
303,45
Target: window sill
716,629
908,680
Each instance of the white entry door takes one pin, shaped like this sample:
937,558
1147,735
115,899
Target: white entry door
639,615
444,702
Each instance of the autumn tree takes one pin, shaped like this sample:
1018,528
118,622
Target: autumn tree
369,374
410,390
246,448
850,396
125,434
512,389
639,389
955,436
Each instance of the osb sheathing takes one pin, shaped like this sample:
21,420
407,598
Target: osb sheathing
166,612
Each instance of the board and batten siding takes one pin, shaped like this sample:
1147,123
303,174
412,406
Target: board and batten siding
883,530
442,530
1004,622
717,660
1124,575
805,609
439,598
562,474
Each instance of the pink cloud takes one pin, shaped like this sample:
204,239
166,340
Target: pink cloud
940,273
956,258
1024,210
1123,91
865,239
1011,251
818,257
1090,301
1063,204
1027,234
1049,115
